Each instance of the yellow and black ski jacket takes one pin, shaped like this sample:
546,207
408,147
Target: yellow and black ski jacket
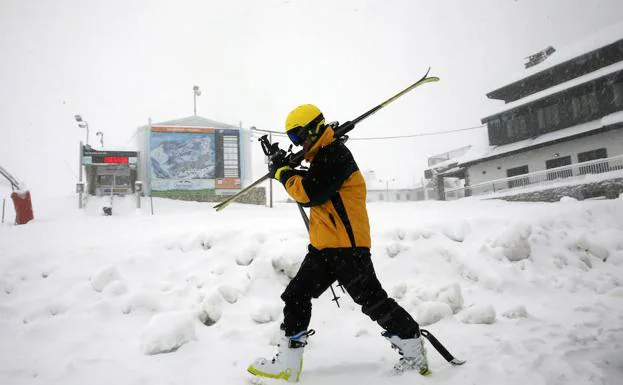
335,190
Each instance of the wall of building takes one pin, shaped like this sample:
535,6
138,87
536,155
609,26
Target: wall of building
256,196
609,189
395,195
535,159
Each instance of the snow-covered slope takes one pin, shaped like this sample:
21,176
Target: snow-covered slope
526,293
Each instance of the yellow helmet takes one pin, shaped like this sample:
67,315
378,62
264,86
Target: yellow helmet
305,121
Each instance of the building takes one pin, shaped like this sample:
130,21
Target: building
390,190
194,158
109,172
562,120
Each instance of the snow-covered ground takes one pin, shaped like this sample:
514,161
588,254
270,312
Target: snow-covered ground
527,293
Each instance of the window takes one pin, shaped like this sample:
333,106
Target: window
496,131
594,168
230,156
552,120
122,180
617,91
105,180
511,172
548,118
584,105
558,162
494,124
516,128
540,116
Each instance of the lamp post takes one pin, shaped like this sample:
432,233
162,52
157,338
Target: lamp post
83,124
196,92
101,136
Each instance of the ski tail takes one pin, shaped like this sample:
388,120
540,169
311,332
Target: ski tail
440,348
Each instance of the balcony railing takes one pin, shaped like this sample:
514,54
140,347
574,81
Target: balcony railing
565,175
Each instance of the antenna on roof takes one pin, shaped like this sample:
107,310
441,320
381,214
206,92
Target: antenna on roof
539,57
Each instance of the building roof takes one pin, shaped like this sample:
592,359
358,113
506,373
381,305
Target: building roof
195,121
559,88
609,121
601,38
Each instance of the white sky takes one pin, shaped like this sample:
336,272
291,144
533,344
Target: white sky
119,62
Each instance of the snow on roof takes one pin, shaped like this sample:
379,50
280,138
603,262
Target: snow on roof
561,87
195,121
474,152
492,151
601,38
112,149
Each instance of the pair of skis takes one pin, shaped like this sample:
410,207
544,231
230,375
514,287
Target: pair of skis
296,158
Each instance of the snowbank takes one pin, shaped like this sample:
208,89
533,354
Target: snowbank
522,291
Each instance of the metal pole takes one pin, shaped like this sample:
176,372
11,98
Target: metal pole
195,102
147,161
80,173
270,183
3,203
151,203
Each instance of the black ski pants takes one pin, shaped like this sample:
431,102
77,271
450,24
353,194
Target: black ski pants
353,269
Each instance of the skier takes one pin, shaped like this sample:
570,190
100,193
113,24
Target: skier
339,249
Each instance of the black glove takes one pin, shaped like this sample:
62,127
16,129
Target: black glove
278,162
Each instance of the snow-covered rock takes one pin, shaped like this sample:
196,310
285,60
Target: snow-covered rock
166,332
516,312
394,249
141,301
103,277
514,242
452,296
265,312
478,314
115,288
286,264
211,309
429,312
229,294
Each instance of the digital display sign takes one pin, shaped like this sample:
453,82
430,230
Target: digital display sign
116,159
90,156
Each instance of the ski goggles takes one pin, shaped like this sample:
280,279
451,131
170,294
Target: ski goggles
297,135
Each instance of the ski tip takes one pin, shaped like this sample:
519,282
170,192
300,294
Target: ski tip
456,362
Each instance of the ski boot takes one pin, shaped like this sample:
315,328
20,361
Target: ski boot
412,351
287,363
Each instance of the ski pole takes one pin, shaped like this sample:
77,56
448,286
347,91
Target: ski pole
297,158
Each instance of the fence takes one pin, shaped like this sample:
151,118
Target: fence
566,174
